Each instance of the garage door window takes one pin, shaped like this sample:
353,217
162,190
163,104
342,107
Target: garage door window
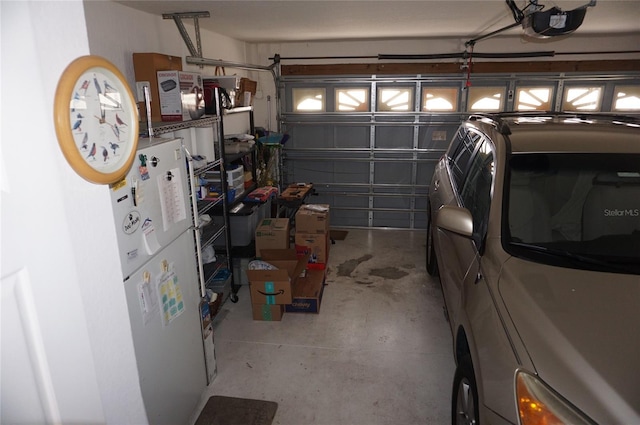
534,99
486,99
626,98
309,100
439,99
352,100
582,99
394,99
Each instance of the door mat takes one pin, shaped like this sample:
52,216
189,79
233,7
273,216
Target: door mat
338,235
221,410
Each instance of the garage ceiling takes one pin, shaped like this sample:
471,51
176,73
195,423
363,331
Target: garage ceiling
317,20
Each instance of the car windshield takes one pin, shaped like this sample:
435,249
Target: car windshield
575,210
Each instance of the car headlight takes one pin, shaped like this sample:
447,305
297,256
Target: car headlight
540,405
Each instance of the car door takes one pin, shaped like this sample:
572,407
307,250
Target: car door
457,252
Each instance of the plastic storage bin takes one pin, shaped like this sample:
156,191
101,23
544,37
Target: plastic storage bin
264,210
242,224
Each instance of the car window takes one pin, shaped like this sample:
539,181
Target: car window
461,149
576,208
477,188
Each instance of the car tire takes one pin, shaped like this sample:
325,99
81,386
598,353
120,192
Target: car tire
464,400
432,262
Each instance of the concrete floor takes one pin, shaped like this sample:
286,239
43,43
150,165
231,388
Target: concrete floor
379,351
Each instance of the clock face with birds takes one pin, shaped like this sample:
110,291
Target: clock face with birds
96,120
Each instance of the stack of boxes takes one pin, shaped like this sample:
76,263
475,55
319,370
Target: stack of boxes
312,234
297,285
271,290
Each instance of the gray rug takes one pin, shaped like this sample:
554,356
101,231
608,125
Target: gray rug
221,410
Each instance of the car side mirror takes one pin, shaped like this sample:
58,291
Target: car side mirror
455,219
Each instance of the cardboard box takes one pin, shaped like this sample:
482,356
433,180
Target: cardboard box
145,68
266,312
313,245
275,286
272,233
312,218
181,95
307,293
246,91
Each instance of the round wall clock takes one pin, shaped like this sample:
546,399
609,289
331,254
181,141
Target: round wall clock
96,120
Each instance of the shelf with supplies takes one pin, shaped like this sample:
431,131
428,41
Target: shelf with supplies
164,127
211,263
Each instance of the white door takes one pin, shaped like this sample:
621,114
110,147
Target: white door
27,390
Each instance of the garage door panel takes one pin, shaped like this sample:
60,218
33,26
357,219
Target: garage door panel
349,218
391,219
436,137
425,172
394,137
310,136
393,173
352,136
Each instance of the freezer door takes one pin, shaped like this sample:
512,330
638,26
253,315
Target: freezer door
151,205
163,301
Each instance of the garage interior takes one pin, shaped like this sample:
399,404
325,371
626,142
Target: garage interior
386,84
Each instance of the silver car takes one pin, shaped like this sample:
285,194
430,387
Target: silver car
534,230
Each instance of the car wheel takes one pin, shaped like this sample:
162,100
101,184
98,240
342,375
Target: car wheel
432,262
465,396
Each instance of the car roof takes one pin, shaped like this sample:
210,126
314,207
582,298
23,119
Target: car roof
566,132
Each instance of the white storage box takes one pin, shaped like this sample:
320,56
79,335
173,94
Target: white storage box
234,174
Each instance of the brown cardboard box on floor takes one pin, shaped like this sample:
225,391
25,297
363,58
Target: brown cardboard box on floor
272,233
307,294
312,218
275,286
314,245
145,68
268,313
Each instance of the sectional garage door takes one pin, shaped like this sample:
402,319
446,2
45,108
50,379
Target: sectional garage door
369,144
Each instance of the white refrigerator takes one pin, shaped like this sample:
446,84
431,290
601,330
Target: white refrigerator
157,252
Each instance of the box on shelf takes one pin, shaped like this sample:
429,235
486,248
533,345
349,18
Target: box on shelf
145,68
181,96
246,91
315,245
312,218
274,286
266,312
272,233
307,293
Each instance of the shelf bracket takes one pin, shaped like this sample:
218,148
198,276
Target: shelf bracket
177,18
